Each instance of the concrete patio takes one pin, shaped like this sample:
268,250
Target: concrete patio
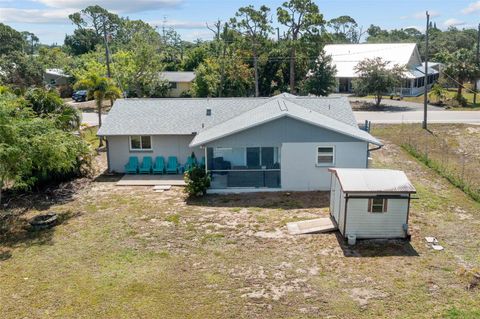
151,180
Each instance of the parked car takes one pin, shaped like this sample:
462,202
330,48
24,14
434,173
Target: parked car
80,96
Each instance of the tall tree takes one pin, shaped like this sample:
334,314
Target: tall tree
460,65
31,42
255,26
11,40
345,30
321,79
300,17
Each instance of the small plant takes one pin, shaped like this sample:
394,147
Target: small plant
197,181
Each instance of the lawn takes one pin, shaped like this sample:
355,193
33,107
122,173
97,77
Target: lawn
133,253
450,95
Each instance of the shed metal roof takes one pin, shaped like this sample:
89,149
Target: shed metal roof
188,116
355,180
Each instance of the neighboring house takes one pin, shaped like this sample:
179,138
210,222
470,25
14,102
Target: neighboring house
346,57
284,142
371,203
180,82
55,77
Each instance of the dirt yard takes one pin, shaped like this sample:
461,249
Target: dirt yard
133,253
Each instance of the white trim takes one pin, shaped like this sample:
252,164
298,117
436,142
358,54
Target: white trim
140,149
384,211
332,164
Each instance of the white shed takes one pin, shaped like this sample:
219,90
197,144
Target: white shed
370,203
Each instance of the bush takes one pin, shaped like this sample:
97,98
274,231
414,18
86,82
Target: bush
197,181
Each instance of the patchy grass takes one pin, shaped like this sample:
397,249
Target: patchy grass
452,151
130,252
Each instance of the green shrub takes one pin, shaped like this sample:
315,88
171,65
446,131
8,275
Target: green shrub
197,181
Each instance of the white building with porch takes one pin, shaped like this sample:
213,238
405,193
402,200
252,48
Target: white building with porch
346,57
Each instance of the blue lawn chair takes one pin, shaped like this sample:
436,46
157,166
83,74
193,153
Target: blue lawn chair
146,167
159,166
172,165
132,166
191,161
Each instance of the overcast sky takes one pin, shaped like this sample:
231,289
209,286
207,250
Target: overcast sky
48,19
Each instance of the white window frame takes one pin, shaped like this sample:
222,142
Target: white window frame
384,204
317,153
141,149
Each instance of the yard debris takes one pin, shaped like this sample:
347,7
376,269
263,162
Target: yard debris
433,243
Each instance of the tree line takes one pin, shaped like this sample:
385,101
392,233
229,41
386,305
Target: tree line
247,56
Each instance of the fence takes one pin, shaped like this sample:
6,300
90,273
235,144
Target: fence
460,167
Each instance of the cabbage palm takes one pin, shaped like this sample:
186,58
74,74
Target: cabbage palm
438,92
100,88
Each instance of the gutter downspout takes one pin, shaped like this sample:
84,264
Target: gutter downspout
371,150
108,155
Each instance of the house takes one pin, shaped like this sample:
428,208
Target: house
346,57
284,142
55,77
370,203
180,82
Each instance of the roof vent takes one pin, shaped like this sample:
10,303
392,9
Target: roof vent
209,112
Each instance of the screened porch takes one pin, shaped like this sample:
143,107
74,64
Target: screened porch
246,167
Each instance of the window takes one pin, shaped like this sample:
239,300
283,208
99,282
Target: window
173,85
139,143
325,155
253,157
268,157
377,205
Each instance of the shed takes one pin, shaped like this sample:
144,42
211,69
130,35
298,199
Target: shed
370,203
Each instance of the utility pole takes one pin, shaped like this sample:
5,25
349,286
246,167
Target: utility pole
107,51
425,98
278,34
478,65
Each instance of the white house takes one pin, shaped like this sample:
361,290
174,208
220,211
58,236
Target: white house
346,57
370,203
180,82
284,142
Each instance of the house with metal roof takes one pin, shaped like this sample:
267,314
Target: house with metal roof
179,82
283,142
370,203
346,57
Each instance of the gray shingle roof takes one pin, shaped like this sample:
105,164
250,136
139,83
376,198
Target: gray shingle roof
187,116
274,109
178,76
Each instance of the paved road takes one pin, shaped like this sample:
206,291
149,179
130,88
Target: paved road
466,117
91,119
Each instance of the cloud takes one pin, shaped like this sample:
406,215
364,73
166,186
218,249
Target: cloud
120,6
179,24
453,23
472,8
14,15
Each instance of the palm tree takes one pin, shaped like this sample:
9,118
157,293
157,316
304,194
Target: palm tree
438,92
100,88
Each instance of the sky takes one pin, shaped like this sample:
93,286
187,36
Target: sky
48,19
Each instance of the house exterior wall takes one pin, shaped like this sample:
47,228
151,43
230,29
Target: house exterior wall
299,171
376,225
162,145
280,131
298,142
181,88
